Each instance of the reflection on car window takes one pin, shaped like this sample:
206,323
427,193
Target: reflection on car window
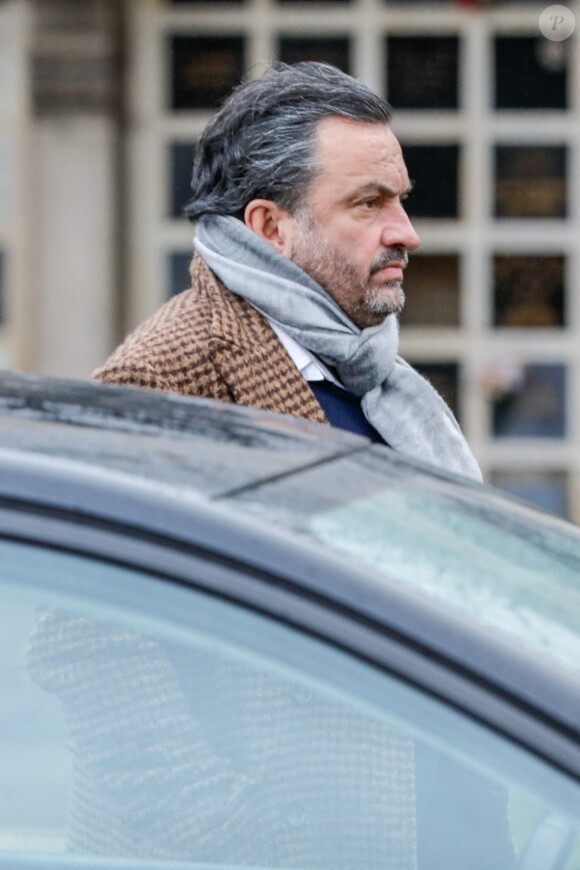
193,755
151,721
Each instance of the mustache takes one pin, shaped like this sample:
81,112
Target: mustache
394,254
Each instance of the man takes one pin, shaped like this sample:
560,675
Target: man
302,239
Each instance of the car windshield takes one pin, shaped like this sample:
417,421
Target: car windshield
500,563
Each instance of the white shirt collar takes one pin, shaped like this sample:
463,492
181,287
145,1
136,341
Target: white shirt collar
309,366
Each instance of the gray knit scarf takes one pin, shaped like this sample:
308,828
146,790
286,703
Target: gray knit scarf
401,405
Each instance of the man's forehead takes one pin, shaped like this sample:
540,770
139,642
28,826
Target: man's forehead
359,147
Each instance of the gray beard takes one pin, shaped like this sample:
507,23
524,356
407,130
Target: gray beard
341,279
378,301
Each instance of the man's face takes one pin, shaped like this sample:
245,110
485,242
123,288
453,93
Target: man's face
354,234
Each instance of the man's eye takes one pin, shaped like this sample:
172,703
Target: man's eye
369,203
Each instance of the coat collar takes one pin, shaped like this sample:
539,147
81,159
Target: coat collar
249,356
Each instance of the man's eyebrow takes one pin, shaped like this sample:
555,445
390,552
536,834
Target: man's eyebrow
373,187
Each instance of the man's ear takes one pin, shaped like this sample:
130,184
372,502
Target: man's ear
272,223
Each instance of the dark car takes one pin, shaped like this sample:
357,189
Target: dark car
235,639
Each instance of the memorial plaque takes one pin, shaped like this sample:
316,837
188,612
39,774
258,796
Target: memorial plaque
530,181
434,170
431,291
528,291
204,70
530,73
181,156
535,407
333,50
422,72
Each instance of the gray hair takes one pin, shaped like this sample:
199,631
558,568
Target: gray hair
260,144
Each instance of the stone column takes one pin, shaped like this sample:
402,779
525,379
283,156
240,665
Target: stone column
77,87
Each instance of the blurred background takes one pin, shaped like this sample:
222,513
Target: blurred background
101,104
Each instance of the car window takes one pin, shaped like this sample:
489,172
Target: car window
149,721
502,565
518,585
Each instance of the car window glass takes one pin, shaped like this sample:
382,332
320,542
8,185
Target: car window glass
504,569
499,579
145,720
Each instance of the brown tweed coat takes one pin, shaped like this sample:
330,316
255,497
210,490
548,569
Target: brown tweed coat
210,342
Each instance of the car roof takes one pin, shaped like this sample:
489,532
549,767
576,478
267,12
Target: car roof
251,486
149,433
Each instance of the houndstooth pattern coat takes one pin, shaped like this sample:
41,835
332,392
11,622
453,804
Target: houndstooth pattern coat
209,342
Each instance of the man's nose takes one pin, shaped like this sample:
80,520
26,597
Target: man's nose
399,230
